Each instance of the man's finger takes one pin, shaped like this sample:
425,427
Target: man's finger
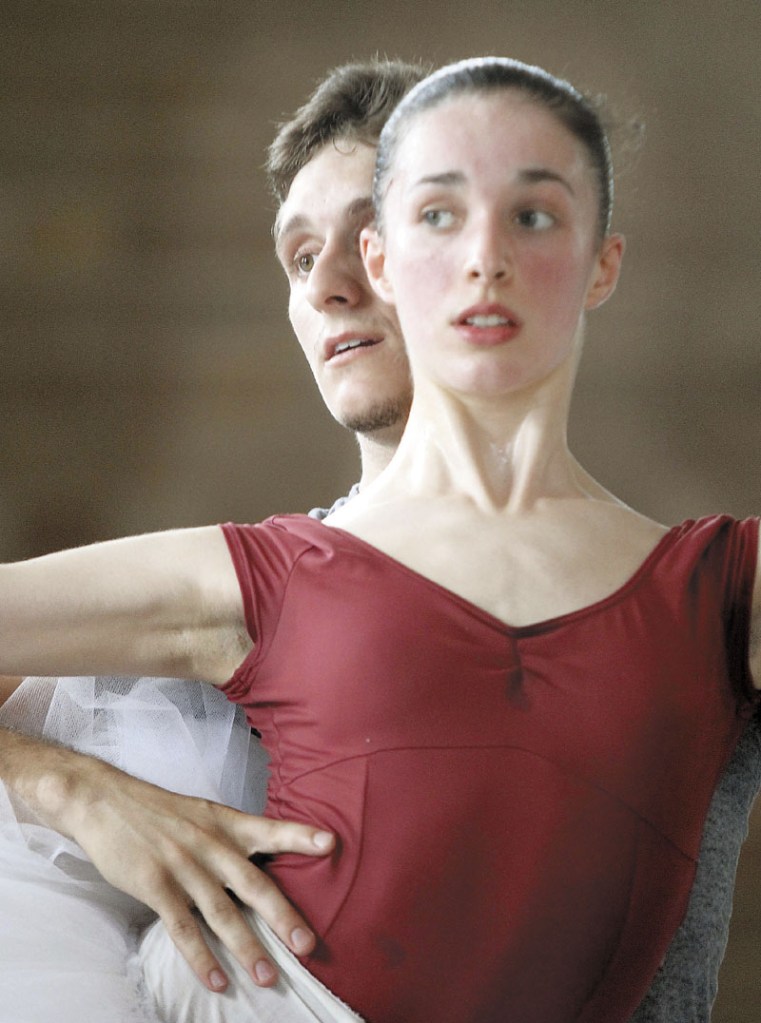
266,835
224,918
184,930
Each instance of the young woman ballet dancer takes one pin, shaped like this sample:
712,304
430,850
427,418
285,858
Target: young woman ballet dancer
509,695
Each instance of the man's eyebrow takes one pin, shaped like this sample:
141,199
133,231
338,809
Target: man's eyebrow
281,228
360,208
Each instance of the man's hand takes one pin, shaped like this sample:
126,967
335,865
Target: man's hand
169,851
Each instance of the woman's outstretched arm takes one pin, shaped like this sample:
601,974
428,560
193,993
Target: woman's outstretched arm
164,604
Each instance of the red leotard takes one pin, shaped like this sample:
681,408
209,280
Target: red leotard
519,809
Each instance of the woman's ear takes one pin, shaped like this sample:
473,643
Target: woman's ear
374,258
606,271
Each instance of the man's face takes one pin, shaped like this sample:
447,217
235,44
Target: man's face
350,337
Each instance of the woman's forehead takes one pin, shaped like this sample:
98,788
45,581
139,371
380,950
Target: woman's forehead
483,131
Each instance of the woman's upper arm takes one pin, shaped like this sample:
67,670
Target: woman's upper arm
162,603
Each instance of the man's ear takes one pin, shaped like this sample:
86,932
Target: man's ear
606,272
374,258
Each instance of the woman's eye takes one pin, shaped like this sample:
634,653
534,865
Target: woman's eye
535,220
438,218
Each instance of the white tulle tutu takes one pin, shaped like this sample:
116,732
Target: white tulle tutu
67,937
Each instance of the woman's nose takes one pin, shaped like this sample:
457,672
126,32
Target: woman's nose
488,258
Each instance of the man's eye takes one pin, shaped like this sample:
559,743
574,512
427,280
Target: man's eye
535,220
304,262
438,218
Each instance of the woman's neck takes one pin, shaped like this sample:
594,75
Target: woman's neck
502,453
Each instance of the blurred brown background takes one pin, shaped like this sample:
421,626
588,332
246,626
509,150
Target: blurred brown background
148,374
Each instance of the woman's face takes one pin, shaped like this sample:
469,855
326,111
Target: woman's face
490,247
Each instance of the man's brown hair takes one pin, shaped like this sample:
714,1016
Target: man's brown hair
353,102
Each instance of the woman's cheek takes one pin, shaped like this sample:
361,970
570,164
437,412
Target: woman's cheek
560,283
420,280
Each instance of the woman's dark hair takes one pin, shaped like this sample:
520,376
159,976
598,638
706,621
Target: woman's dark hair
575,112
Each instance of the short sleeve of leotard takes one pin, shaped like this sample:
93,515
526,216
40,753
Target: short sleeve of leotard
740,574
718,555
264,556
718,548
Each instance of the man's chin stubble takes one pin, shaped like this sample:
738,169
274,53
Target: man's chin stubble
380,417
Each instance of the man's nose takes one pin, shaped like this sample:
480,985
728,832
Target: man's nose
336,279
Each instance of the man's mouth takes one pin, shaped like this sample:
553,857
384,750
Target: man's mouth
347,343
359,342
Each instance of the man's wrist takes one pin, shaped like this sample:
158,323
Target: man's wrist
58,784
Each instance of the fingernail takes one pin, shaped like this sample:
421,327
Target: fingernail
264,972
322,839
300,939
218,980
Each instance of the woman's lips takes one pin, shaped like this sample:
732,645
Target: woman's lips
488,325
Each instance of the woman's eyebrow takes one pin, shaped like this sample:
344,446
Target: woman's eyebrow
445,178
530,176
533,175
